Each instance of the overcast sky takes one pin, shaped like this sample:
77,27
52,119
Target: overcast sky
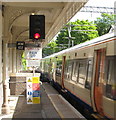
101,3
93,16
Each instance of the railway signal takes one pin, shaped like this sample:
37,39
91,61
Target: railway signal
37,27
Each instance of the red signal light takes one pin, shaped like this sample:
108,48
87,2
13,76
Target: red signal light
36,35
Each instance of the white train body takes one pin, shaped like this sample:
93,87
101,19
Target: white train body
87,71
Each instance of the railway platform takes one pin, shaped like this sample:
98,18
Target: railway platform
52,105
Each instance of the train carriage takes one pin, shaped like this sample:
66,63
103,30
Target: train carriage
87,73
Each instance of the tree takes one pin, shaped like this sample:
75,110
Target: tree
49,49
80,30
104,23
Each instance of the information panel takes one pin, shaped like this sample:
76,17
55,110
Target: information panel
33,57
33,90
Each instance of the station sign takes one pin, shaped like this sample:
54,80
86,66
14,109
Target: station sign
33,90
20,45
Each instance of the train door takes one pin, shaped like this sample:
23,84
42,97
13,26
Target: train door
98,80
63,67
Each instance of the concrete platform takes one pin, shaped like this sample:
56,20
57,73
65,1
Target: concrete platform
43,110
52,105
63,107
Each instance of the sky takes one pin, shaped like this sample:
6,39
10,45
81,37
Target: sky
93,16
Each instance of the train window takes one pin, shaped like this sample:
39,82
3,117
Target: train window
82,72
46,66
75,71
89,73
110,72
68,69
110,88
50,68
70,65
59,68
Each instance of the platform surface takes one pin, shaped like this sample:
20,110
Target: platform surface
43,110
64,108
52,105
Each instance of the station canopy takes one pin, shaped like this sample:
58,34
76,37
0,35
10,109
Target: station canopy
57,14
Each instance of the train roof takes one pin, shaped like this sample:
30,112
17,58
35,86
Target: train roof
87,43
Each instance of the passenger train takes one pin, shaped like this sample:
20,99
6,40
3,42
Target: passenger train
86,74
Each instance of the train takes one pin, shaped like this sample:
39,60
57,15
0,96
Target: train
86,74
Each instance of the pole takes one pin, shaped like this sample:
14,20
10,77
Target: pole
69,34
33,71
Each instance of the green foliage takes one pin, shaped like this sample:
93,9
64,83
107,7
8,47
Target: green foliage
50,49
85,31
104,23
81,30
24,62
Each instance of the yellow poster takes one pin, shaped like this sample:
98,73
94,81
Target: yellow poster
35,79
36,100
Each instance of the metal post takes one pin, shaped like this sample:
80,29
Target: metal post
33,71
69,35
72,43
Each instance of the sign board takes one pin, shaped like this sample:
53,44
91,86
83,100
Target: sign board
31,63
33,57
33,54
20,45
29,90
32,45
33,90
